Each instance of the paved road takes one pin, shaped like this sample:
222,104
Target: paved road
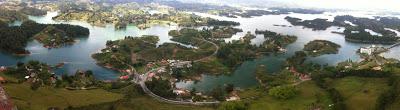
394,45
141,79
215,52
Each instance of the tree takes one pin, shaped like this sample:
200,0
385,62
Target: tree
283,92
229,88
218,93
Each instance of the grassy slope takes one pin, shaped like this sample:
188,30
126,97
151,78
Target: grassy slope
352,89
302,101
45,97
144,103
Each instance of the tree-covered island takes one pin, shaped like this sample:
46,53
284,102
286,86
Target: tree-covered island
15,38
321,47
357,29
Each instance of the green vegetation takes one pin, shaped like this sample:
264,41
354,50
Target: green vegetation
283,92
9,16
358,34
360,93
139,103
276,42
233,105
161,87
321,47
35,73
309,96
33,11
81,80
316,24
15,38
122,14
47,97
224,32
269,80
138,51
53,37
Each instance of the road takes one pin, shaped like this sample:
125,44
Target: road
141,80
215,52
394,45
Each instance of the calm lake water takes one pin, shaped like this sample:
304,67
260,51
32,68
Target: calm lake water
78,56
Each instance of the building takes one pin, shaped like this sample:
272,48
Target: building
366,50
180,64
3,68
371,49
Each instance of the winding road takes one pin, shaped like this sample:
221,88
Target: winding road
141,80
215,52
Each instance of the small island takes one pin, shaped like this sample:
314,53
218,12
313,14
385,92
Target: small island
224,32
316,24
360,30
321,47
276,42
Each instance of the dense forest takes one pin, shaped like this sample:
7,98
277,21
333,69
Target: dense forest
357,34
316,24
15,38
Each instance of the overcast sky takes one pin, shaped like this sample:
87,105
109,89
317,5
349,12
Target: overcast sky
350,4
343,4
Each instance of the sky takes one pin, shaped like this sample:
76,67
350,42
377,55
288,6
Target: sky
392,5
349,4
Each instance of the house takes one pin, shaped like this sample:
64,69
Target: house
181,92
355,32
180,64
366,50
126,77
378,68
3,68
233,98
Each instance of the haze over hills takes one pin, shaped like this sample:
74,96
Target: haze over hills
336,4
199,55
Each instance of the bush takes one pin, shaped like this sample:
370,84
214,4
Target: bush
234,105
283,92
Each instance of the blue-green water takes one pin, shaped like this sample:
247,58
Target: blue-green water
78,56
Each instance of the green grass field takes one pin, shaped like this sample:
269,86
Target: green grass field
360,93
309,95
45,97
143,103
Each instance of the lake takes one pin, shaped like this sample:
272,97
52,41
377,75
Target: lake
78,56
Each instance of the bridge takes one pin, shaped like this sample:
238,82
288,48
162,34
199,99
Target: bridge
394,45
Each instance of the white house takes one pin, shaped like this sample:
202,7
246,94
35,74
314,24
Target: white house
367,50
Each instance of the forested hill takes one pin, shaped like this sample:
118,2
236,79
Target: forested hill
15,38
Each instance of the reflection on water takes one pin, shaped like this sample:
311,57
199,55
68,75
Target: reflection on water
244,76
77,56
